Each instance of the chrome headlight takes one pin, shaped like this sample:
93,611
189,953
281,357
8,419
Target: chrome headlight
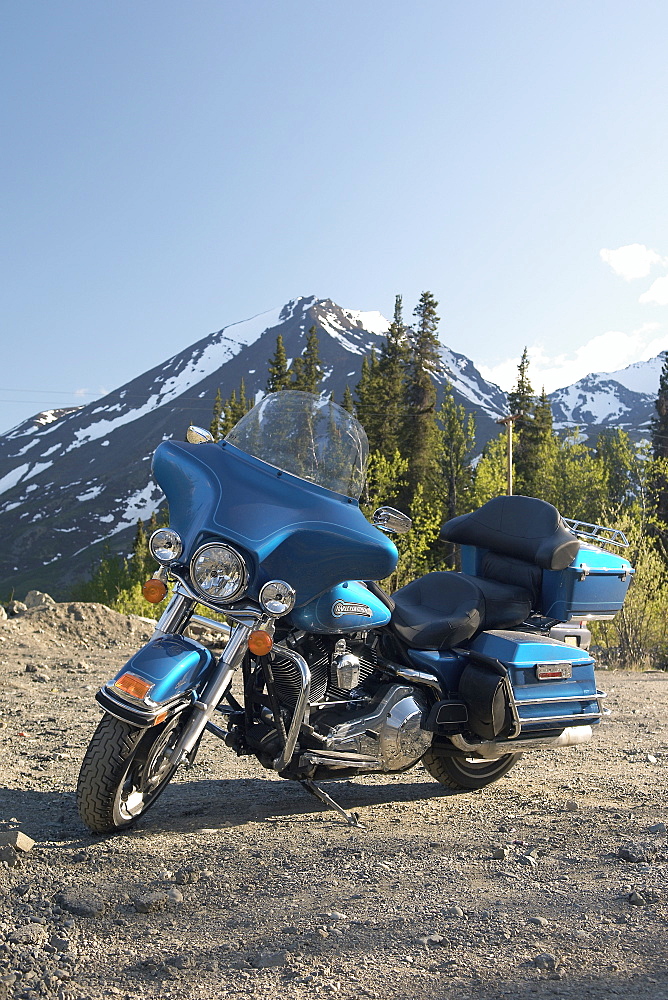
218,572
277,597
165,545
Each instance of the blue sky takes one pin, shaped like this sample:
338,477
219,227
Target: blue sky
172,167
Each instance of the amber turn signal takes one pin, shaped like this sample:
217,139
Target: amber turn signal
154,591
260,643
133,685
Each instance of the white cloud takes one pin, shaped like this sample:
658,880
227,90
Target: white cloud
609,352
657,292
632,261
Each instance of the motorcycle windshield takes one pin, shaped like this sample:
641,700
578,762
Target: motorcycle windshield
309,437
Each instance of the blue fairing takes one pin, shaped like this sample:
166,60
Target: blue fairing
173,664
286,528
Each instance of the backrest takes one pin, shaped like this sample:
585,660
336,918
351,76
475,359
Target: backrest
521,527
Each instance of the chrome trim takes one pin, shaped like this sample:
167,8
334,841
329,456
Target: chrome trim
211,623
243,582
598,696
493,749
176,615
517,722
614,537
539,720
300,714
417,677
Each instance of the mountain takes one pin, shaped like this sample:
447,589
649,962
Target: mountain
602,400
74,481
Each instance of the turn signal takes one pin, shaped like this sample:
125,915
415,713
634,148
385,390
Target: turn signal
260,643
133,685
154,591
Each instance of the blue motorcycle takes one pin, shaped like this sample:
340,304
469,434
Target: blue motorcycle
334,678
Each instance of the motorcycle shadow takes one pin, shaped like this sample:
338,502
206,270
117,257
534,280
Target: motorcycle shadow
233,802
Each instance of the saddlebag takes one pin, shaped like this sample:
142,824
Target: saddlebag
483,691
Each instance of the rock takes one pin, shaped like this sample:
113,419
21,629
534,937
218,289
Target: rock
31,668
29,934
651,758
9,856
541,921
545,961
37,599
269,960
185,876
658,828
16,608
3,614
500,853
149,902
175,895
632,854
571,806
454,911
17,840
637,899
81,902
335,915
60,943
528,860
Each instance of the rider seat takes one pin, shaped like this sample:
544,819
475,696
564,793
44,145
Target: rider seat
440,610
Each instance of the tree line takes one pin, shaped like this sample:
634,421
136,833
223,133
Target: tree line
423,459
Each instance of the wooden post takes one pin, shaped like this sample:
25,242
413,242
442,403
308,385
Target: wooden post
509,421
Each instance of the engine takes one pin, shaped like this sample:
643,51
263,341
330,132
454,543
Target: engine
354,710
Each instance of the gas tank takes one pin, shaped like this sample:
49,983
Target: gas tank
348,607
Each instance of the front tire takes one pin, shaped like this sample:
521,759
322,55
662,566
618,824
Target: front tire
124,771
465,773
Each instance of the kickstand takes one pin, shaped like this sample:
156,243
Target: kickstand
351,818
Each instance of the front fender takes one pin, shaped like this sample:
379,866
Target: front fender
172,666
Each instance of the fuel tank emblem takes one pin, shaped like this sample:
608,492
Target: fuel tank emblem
340,608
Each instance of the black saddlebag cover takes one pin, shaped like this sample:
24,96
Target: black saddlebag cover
483,692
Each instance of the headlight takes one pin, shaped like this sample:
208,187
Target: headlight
165,545
218,572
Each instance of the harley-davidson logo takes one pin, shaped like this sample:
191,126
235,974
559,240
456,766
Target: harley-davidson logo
341,608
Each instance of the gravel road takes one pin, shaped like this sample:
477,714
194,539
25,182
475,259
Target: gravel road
551,883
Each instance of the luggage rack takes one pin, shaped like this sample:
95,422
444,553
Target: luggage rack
598,532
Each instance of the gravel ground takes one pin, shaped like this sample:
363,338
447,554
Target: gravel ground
551,883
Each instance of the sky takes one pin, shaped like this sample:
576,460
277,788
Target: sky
169,168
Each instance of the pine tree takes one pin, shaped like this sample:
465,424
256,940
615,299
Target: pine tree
391,376
456,475
419,431
347,401
216,416
306,371
521,398
536,451
521,402
141,563
660,443
278,374
368,407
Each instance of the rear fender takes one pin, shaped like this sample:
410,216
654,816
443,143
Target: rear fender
170,670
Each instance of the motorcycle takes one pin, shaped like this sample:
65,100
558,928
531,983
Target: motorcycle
333,677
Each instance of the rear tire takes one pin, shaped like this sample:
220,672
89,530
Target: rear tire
466,773
124,771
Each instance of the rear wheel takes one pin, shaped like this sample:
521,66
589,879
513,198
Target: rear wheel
124,771
466,772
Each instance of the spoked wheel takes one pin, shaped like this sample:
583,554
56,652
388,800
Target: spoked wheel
466,772
124,771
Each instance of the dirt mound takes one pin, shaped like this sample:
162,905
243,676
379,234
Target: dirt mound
78,622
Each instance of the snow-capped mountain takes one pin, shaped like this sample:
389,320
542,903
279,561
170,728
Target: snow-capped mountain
75,480
623,398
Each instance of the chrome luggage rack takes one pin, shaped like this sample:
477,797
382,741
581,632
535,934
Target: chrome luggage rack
598,532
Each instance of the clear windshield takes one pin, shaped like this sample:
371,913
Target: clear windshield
307,436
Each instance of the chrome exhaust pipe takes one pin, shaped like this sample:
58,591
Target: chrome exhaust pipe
493,749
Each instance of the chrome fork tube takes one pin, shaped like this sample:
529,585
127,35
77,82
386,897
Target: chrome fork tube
205,706
176,615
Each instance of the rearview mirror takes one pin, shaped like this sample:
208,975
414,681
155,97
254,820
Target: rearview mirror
391,520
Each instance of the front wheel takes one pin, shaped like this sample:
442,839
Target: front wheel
124,771
467,773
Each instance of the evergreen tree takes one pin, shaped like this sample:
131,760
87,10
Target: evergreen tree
490,475
419,431
391,375
347,401
660,443
457,444
216,416
520,400
278,374
141,562
536,452
306,371
368,408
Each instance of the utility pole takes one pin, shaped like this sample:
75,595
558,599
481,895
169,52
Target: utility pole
509,421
